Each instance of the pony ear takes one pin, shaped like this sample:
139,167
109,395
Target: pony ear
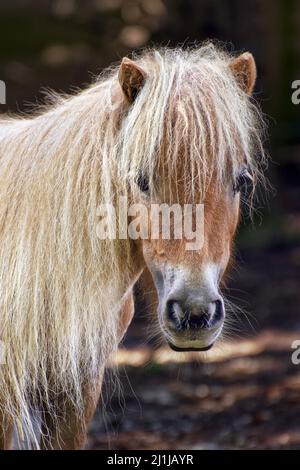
244,70
131,78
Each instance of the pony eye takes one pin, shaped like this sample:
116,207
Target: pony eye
143,184
242,181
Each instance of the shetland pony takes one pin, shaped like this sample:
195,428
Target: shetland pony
173,125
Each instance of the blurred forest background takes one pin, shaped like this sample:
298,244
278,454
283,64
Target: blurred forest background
246,392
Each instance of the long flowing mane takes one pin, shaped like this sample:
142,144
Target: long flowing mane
61,286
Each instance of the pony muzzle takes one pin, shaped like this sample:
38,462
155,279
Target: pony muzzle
192,325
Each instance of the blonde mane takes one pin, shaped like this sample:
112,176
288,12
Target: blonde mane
61,287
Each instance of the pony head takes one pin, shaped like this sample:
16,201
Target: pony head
191,133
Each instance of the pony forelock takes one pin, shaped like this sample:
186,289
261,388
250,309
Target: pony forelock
191,114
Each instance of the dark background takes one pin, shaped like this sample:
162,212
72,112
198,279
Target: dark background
246,393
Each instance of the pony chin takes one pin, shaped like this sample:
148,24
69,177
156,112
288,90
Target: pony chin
204,342
190,348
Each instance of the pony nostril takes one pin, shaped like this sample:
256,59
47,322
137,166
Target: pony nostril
170,310
219,311
174,313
